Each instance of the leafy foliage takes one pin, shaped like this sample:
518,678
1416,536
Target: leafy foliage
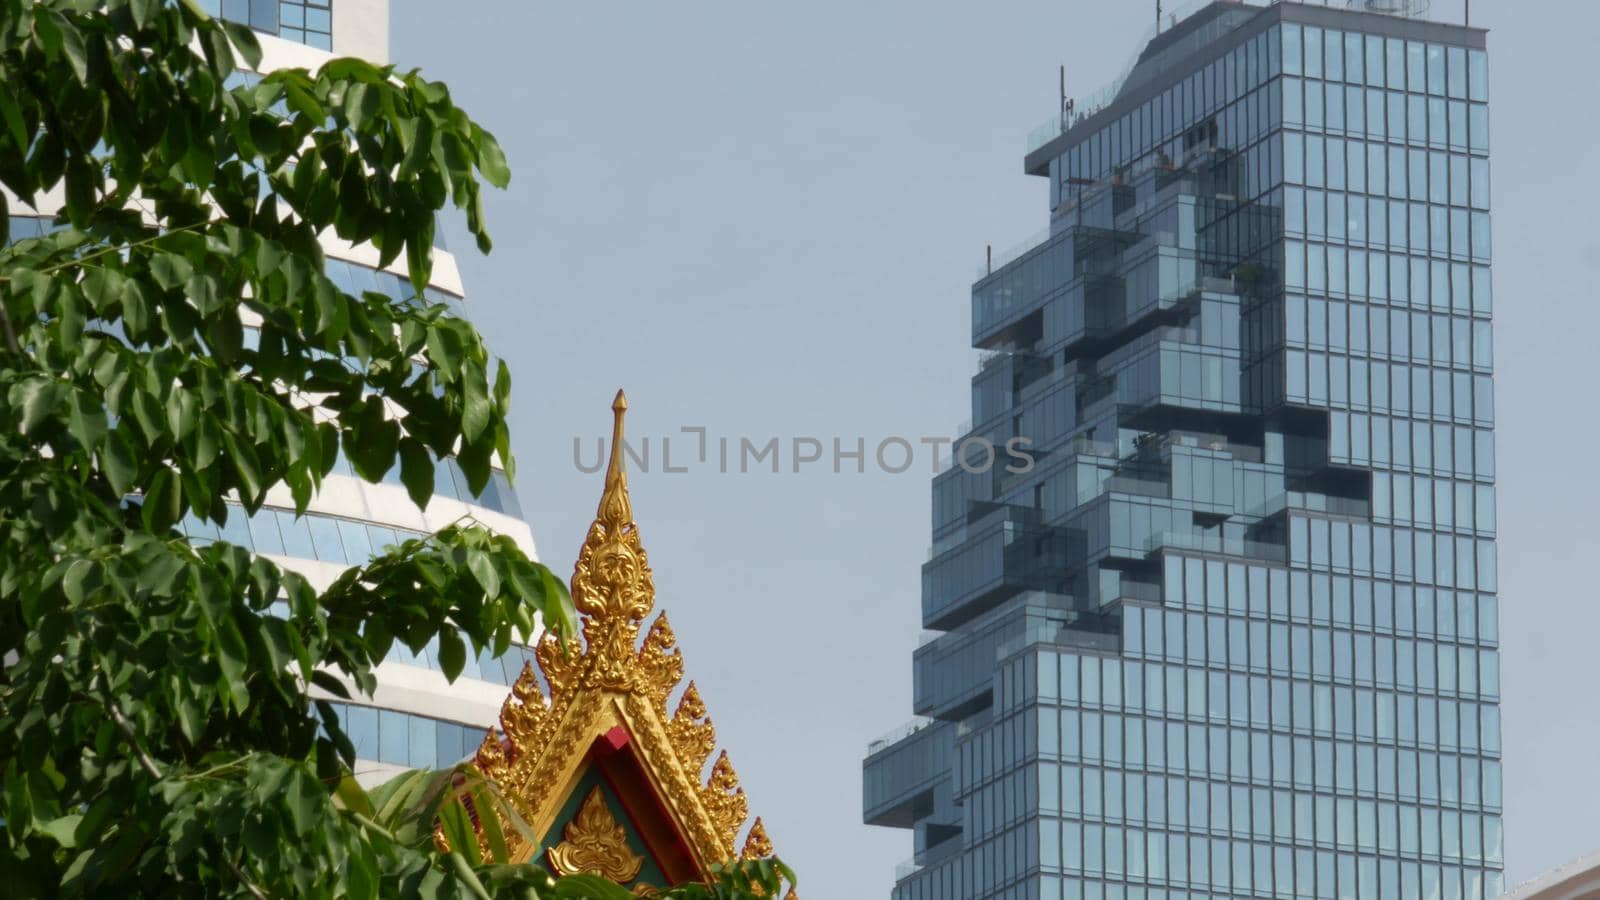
175,349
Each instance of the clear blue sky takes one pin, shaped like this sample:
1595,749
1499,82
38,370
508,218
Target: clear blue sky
764,219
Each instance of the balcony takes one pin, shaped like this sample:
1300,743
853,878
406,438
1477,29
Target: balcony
1006,551
1008,294
1107,311
903,769
1216,543
1061,636
951,673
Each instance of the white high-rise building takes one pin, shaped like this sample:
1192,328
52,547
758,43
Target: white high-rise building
417,718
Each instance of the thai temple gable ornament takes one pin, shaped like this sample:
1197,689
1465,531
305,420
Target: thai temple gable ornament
594,842
647,818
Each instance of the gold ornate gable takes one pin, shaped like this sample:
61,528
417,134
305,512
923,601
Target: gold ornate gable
607,691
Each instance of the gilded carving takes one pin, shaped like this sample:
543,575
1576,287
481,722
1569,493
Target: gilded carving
593,842
691,731
756,844
660,665
610,677
724,800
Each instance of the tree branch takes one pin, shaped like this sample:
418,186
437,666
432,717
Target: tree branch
10,333
146,763
149,766
113,248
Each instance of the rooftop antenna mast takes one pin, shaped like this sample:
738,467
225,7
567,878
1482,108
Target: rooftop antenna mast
1158,16
1066,102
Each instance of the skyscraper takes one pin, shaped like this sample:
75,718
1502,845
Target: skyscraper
416,718
1234,632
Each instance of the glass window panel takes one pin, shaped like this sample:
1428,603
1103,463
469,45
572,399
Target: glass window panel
394,734
450,739
1436,69
1416,68
325,537
1395,58
264,531
357,544
379,537
296,534
424,737
1478,127
1477,75
236,530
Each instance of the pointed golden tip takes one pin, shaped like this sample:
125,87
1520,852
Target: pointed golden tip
614,472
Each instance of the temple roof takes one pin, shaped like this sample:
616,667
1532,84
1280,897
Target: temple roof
604,731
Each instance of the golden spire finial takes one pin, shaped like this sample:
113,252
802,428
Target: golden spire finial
616,489
611,584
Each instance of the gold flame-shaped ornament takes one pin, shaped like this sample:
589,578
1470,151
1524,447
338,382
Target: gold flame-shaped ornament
593,842
611,680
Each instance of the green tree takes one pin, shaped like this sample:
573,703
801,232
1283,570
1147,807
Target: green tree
172,349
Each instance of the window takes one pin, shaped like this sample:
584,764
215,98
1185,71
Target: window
295,532
309,22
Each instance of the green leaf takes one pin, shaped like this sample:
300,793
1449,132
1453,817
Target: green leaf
491,159
159,571
218,51
477,407
63,830
86,419
416,471
234,658
244,40
144,12
81,579
462,865
363,876
118,462
252,485
170,270
445,350
489,820
326,680
332,315
557,610
482,569
13,118
360,104
302,101
372,440
452,653
162,502
147,411
72,47
191,717
305,799
103,288
39,398
136,312
47,32
589,887
350,795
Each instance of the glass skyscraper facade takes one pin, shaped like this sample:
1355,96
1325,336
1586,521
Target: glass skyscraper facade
1234,632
